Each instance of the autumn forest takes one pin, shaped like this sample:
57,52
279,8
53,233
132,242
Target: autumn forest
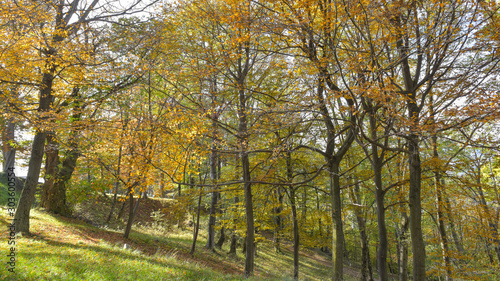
366,130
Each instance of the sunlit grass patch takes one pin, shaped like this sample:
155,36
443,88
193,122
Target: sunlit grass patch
46,260
69,249
43,258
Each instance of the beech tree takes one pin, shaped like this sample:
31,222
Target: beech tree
315,33
56,28
223,78
340,123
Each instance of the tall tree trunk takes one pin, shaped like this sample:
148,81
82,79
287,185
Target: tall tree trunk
441,226
415,170
214,164
8,148
403,249
413,143
278,220
211,222
51,163
296,238
64,173
338,232
234,236
196,227
293,202
57,174
215,194
320,223
382,229
45,102
245,166
131,213
122,208
234,243
366,267
222,238
333,161
22,215
250,233
377,162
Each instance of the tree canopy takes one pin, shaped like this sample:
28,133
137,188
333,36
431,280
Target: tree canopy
366,129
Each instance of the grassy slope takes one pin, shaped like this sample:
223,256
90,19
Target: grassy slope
4,189
69,249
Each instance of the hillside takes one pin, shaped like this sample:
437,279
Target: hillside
75,249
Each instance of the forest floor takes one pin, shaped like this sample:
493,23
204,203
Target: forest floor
83,248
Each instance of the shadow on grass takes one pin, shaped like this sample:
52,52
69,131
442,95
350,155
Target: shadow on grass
147,247
96,254
52,260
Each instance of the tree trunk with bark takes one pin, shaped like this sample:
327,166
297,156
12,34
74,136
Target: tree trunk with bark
295,222
415,201
402,247
366,266
338,232
245,166
382,228
131,213
57,199
8,148
57,172
234,244
61,31
22,215
278,220
215,193
234,236
296,239
222,238
196,226
377,163
51,163
250,233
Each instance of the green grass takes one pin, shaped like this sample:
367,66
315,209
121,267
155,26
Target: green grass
3,189
4,195
269,264
68,249
45,258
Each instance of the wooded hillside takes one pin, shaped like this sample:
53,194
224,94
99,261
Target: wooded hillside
366,129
